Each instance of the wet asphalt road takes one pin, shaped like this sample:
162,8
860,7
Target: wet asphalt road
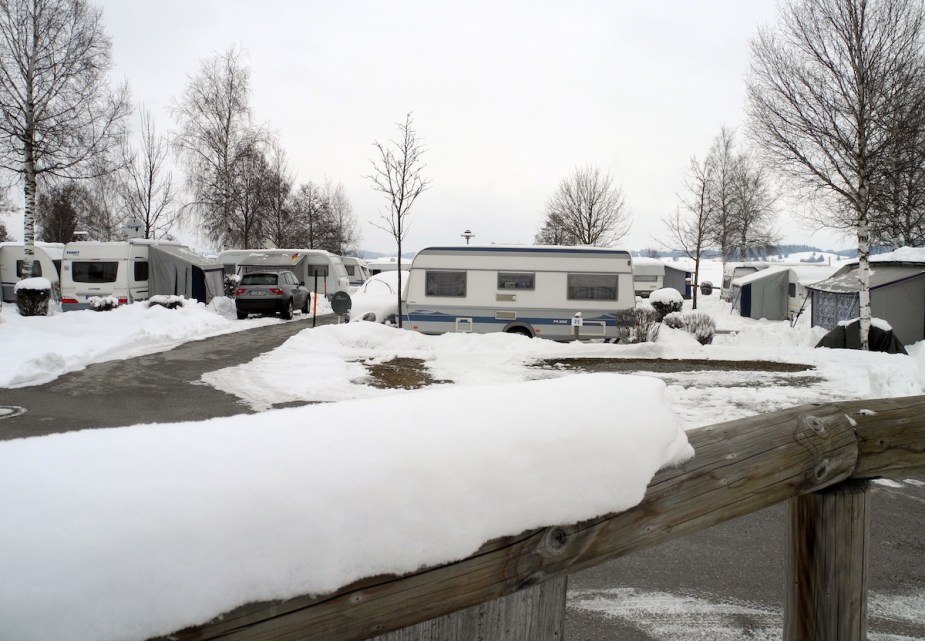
158,388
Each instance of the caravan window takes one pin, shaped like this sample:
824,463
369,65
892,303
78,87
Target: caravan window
509,280
95,272
644,278
141,270
36,268
592,286
445,284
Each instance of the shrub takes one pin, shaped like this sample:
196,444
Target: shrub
644,329
103,303
665,301
700,325
706,288
674,320
170,302
231,284
32,299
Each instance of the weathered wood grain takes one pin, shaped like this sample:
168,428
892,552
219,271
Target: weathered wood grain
826,590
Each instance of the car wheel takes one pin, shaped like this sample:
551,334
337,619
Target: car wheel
242,315
305,305
286,312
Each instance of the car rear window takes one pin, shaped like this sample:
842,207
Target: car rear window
258,279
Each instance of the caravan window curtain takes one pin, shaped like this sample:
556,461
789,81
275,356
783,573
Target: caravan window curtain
445,284
592,286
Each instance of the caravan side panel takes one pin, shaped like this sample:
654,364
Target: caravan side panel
11,268
535,291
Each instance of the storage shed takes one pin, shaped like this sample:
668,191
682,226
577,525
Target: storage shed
897,295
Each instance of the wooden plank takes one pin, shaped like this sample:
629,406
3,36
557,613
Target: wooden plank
740,467
534,614
826,591
891,435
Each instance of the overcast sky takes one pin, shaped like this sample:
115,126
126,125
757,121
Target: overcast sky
509,97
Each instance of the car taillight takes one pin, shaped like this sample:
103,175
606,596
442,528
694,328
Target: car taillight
239,291
276,290
123,301
69,301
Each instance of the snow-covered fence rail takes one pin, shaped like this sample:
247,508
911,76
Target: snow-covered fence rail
818,457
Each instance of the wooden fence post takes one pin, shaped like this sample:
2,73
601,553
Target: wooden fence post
826,595
534,614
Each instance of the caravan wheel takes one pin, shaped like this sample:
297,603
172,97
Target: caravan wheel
523,331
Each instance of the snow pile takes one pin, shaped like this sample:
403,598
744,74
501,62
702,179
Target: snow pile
37,283
39,349
303,501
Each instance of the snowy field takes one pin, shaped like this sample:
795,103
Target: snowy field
183,504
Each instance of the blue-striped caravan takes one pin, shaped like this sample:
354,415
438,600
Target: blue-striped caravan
557,292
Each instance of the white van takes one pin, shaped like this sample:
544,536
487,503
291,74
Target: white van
115,268
551,291
306,264
46,262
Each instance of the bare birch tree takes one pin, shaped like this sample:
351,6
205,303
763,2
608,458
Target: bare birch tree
279,180
57,109
588,209
723,160
216,137
825,92
397,174
147,189
344,232
689,227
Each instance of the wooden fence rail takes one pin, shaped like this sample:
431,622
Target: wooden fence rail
815,455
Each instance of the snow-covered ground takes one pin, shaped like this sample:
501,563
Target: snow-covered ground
375,481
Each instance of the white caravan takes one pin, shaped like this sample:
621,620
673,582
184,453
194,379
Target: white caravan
46,262
731,271
554,292
357,271
115,268
306,264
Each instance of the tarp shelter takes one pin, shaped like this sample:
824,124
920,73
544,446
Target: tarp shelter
897,295
847,335
176,270
763,294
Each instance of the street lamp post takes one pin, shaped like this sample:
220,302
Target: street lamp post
467,235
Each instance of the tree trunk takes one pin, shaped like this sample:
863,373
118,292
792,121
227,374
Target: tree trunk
398,293
864,280
29,211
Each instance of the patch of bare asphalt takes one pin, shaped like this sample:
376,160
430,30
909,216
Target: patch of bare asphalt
677,371
400,373
412,373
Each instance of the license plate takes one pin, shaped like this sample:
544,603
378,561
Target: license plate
257,293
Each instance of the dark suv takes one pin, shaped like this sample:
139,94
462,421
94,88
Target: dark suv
269,293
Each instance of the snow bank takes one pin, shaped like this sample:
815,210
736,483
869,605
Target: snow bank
150,519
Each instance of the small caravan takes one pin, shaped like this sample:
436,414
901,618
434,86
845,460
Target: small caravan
46,262
731,271
650,274
357,271
557,292
116,268
306,264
